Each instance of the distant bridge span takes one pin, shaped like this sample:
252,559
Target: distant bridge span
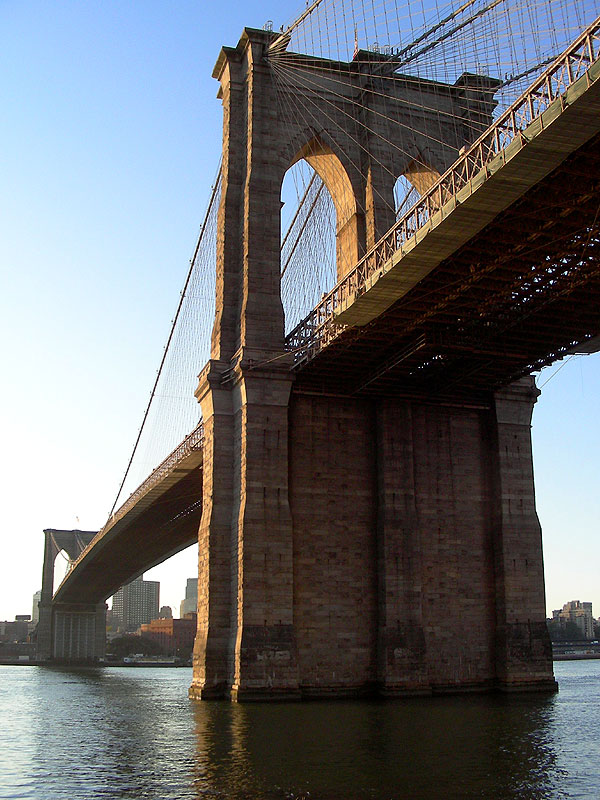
158,520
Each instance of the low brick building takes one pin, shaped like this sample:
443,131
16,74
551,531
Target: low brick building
175,636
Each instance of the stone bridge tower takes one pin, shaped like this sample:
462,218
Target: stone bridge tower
68,632
333,528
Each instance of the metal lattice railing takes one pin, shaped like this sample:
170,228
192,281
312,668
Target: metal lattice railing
318,329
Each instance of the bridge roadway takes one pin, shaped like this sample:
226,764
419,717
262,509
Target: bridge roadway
158,520
473,288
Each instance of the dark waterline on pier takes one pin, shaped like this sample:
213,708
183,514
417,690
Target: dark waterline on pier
123,733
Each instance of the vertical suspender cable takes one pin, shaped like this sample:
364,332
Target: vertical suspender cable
171,332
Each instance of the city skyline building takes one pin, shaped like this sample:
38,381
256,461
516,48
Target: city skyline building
579,614
135,604
35,607
17,630
189,605
175,636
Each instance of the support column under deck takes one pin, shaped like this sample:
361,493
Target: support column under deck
401,651
212,667
435,568
66,632
523,648
245,646
78,633
44,626
264,652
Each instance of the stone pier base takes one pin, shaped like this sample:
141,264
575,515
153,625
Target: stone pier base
416,560
72,634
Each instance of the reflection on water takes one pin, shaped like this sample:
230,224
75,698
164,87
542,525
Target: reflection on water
133,733
474,747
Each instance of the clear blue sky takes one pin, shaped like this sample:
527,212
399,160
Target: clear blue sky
110,139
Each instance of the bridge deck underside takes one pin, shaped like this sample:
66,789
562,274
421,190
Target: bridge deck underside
165,527
516,297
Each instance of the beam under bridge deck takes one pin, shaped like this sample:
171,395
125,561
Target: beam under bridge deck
472,304
160,518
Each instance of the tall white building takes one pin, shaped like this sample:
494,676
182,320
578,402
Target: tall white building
190,604
35,609
136,604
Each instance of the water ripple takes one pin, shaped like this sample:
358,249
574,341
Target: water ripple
133,733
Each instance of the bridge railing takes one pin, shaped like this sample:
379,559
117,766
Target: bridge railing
192,442
318,329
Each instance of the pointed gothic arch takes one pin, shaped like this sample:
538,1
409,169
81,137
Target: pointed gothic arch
349,215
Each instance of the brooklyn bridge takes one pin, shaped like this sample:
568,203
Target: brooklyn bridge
358,473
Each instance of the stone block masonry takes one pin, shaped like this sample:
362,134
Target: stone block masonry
400,547
410,560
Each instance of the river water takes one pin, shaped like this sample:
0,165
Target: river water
133,733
